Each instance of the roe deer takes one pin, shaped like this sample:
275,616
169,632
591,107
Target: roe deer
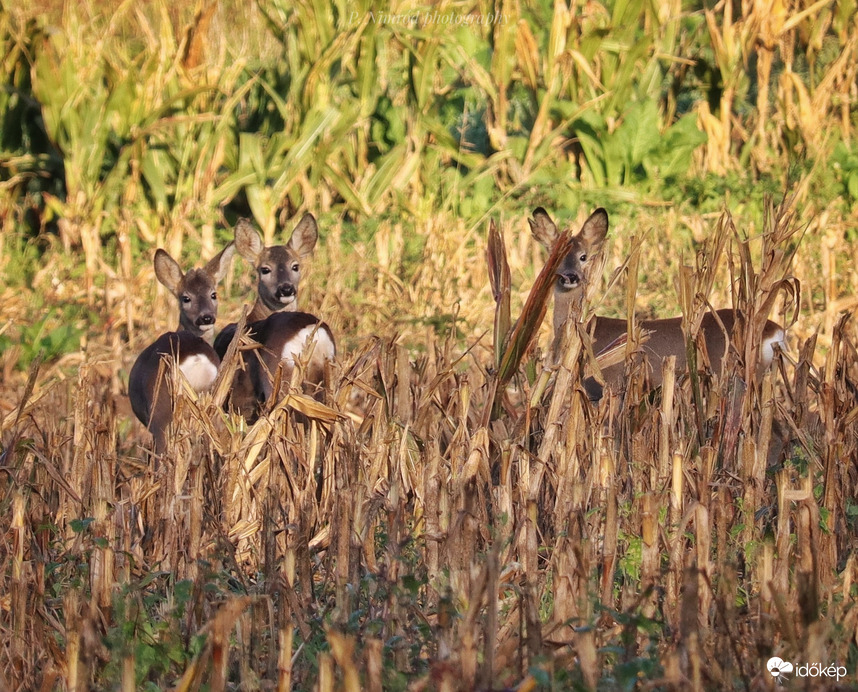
284,334
278,267
189,348
664,337
287,338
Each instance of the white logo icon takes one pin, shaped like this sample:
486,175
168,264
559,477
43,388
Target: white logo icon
779,668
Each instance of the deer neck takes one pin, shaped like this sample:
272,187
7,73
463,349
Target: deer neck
568,305
206,335
261,311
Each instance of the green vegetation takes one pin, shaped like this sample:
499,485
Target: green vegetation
451,479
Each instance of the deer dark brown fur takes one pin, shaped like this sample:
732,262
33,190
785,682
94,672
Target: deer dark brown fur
189,349
286,336
664,337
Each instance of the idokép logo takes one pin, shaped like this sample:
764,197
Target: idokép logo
781,670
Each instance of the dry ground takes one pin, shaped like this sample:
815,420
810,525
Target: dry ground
401,538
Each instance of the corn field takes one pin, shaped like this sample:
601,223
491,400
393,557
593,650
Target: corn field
456,514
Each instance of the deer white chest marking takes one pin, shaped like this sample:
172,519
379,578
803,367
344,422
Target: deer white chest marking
767,351
199,371
309,337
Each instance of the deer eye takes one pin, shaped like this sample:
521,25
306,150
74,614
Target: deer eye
295,267
214,295
186,299
583,258
264,270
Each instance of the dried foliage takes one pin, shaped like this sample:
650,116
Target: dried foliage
455,515
393,535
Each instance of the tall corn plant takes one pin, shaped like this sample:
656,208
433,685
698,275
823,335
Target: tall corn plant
805,59
29,164
364,108
135,140
621,61
307,122
189,127
594,82
90,104
512,344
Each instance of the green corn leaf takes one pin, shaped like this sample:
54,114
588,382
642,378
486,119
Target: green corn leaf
347,190
152,168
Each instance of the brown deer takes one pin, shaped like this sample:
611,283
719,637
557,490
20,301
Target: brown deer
189,348
287,339
278,267
663,337
285,335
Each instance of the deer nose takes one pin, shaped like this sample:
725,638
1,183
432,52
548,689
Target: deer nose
285,291
204,320
569,280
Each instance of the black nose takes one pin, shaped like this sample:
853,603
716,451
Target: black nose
205,319
571,279
285,291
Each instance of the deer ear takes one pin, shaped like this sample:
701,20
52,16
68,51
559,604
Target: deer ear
168,271
595,229
248,242
543,228
217,265
304,236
